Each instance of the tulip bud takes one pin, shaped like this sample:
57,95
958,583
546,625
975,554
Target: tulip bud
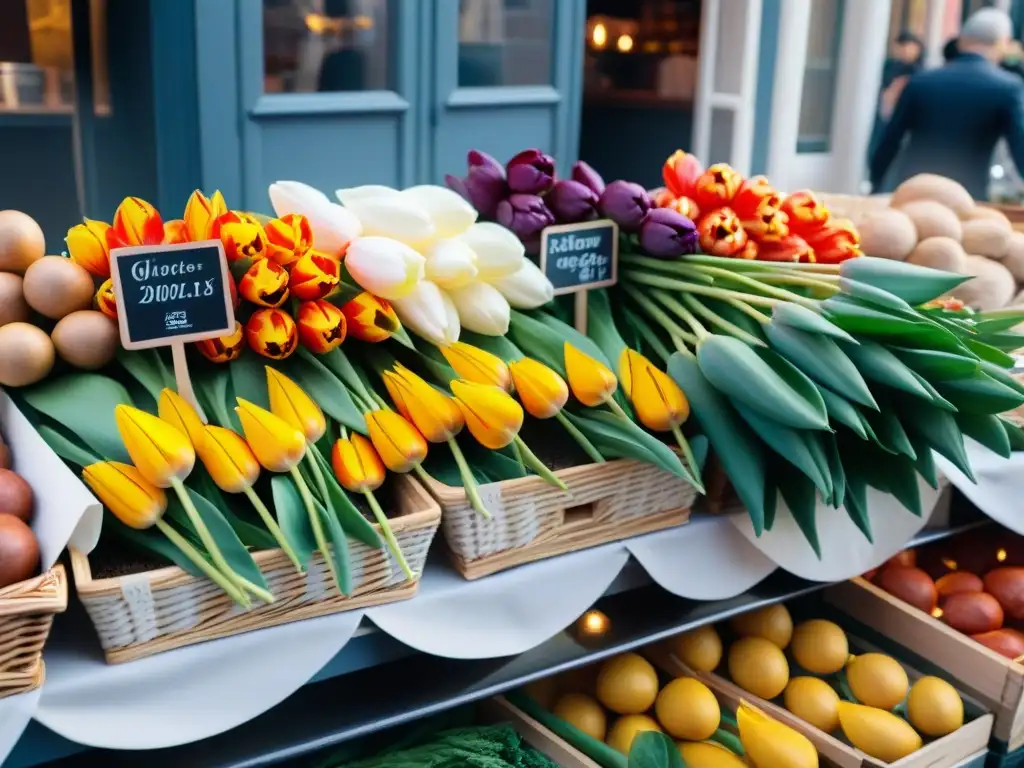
333,227
680,173
397,218
89,246
754,197
591,381
681,205
626,204
450,214
806,213
453,328
159,450
434,413
105,300
526,215
477,365
175,232
531,172
667,234
223,349
201,212
450,263
349,195
485,184
229,459
658,401
322,326
290,402
314,275
482,309
834,242
241,235
370,318
175,410
288,238
570,201
125,491
526,288
767,225
499,253
716,187
424,313
265,284
587,176
492,416
541,390
136,222
400,446
721,233
385,267
357,465
277,445
272,333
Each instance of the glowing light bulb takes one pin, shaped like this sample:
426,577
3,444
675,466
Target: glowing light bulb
599,36
624,43
937,613
1001,555
592,624
951,564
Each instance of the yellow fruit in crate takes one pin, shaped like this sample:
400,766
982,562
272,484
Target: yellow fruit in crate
687,709
813,700
708,754
934,707
878,733
543,691
770,744
820,647
627,684
699,649
772,623
582,712
625,729
758,666
877,680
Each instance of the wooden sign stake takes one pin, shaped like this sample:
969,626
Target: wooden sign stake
184,381
580,312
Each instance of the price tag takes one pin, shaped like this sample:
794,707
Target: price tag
579,257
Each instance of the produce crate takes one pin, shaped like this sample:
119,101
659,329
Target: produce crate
26,615
146,613
500,710
995,680
532,520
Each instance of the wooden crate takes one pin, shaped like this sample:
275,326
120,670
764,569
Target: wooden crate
532,520
500,710
147,613
26,615
995,680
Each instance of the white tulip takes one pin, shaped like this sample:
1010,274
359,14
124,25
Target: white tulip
526,288
423,312
482,309
333,227
499,253
394,217
384,267
454,324
451,263
348,194
451,214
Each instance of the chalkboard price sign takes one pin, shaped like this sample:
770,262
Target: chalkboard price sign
172,294
579,257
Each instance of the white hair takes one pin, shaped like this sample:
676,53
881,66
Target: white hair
989,26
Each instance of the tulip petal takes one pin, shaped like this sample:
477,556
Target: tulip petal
385,267
123,490
400,445
492,416
424,312
291,403
451,214
228,459
482,309
277,445
541,390
453,329
395,217
591,382
477,365
450,263
159,450
356,464
174,409
333,227
499,252
347,195
526,288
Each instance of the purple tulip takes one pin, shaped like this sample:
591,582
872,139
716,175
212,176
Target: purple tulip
531,172
455,184
667,234
626,204
587,176
484,186
572,201
526,215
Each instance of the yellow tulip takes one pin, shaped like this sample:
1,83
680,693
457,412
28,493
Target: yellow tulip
591,381
174,409
399,443
878,733
89,246
435,414
277,445
492,416
770,744
229,459
541,390
357,465
160,451
201,212
476,365
129,496
289,402
658,401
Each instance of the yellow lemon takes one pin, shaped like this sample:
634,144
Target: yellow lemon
582,712
820,647
758,666
878,733
625,729
772,623
877,680
543,691
627,684
934,707
708,754
700,649
687,709
813,700
770,744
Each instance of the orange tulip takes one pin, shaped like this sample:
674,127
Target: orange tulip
434,413
272,333
136,222
716,187
541,390
836,241
680,173
357,465
400,445
241,235
322,326
806,213
591,381
265,284
768,226
370,318
175,231
755,197
89,246
477,365
201,212
790,248
105,300
314,275
721,233
224,349
288,238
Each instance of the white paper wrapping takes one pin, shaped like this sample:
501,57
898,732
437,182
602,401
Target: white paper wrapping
999,492
15,712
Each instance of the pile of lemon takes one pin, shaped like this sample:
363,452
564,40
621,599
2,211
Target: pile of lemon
757,663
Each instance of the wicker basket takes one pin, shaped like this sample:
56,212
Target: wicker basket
532,520
147,613
26,615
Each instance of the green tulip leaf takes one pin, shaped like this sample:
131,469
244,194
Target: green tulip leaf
292,517
339,553
141,366
936,365
213,388
352,520
234,551
616,437
249,379
981,394
912,283
69,450
1014,434
789,444
876,363
937,429
987,430
802,501
251,535
154,542
326,390
601,326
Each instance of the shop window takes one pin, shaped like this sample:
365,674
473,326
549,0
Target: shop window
36,67
817,101
505,42
325,45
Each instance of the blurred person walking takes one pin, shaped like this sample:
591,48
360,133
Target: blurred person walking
907,59
956,114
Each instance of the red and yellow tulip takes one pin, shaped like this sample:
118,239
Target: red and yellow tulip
220,350
264,284
836,241
400,445
200,213
322,326
770,225
370,318
288,238
136,222
791,248
716,187
721,233
314,275
89,246
541,390
477,365
272,333
105,300
175,231
241,235
680,173
755,197
806,213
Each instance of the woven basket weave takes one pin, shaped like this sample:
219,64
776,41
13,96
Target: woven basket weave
532,520
146,613
26,615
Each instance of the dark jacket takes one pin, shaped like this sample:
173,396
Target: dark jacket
955,116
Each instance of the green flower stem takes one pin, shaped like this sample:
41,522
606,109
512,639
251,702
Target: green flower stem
316,524
274,528
748,310
616,408
752,265
201,563
658,314
651,337
804,280
675,267
468,481
757,285
389,535
519,457
716,319
659,281
684,446
539,466
580,438
318,475
211,546
728,739
669,301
